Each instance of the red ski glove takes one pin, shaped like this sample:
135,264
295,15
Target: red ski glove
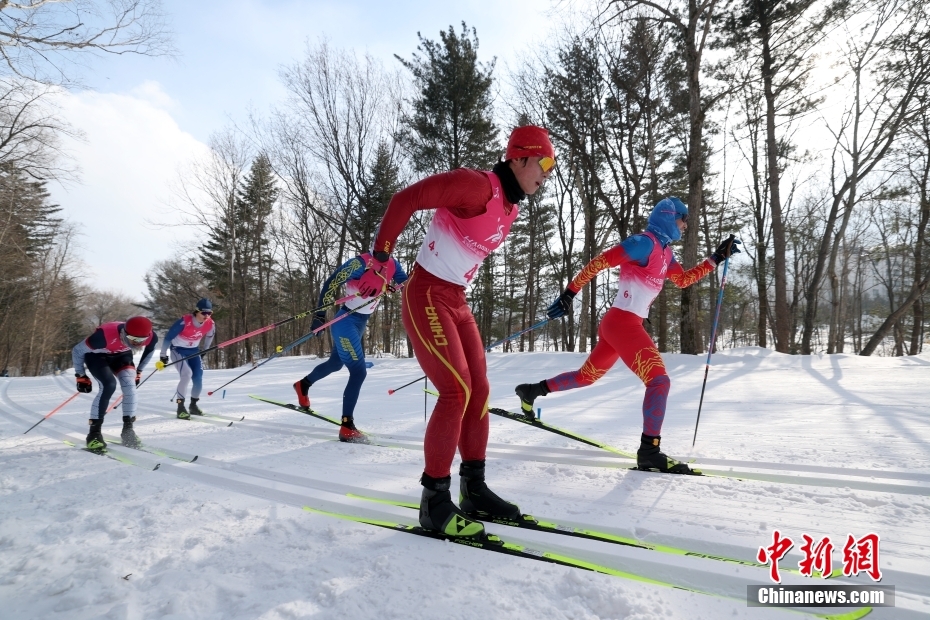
84,384
380,271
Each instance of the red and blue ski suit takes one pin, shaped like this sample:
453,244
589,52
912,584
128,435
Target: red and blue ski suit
347,333
472,219
645,262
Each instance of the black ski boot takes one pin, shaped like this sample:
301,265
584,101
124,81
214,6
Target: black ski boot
477,500
195,409
95,436
650,458
528,393
128,436
439,514
182,412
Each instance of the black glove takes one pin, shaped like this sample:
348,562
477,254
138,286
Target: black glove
163,359
138,377
727,248
561,306
318,320
84,384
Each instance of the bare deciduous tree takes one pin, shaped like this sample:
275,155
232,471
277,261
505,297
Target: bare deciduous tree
31,131
340,111
887,69
41,39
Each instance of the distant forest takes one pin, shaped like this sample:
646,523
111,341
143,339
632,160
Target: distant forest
802,127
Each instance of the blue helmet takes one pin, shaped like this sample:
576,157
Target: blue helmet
204,304
662,220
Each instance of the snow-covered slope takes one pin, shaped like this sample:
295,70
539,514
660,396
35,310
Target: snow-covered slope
825,446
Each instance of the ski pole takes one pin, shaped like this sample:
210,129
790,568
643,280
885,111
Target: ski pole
713,336
519,333
299,341
261,330
53,411
406,385
146,379
487,348
120,398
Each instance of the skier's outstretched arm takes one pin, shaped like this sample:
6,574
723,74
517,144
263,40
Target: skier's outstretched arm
634,249
683,279
147,352
173,333
464,192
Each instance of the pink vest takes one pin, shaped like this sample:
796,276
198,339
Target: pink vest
191,335
454,247
115,344
639,286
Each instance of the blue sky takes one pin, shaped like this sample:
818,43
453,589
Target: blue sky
144,118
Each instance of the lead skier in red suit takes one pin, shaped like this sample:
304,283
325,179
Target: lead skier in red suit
474,212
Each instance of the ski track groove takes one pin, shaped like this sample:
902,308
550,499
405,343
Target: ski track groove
603,458
170,466
718,584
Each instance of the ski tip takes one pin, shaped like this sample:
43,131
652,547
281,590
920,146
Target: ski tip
194,459
228,425
157,465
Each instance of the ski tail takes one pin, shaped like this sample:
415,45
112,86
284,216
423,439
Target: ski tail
529,522
493,543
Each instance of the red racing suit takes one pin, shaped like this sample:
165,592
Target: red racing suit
621,334
472,219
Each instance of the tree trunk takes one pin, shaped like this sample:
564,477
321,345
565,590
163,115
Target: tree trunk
892,320
782,315
690,337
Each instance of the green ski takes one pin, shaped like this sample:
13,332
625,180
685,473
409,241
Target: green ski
529,522
519,417
171,454
491,542
111,455
310,412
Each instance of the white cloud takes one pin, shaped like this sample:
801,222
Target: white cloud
130,155
151,92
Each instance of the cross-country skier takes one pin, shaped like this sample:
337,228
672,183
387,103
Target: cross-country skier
645,261
108,355
185,338
474,212
347,340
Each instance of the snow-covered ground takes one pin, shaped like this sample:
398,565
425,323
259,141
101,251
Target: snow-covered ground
839,444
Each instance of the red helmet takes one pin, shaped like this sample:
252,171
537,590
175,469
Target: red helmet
139,327
529,141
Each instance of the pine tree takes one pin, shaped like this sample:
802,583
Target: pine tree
452,122
235,258
38,309
382,181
